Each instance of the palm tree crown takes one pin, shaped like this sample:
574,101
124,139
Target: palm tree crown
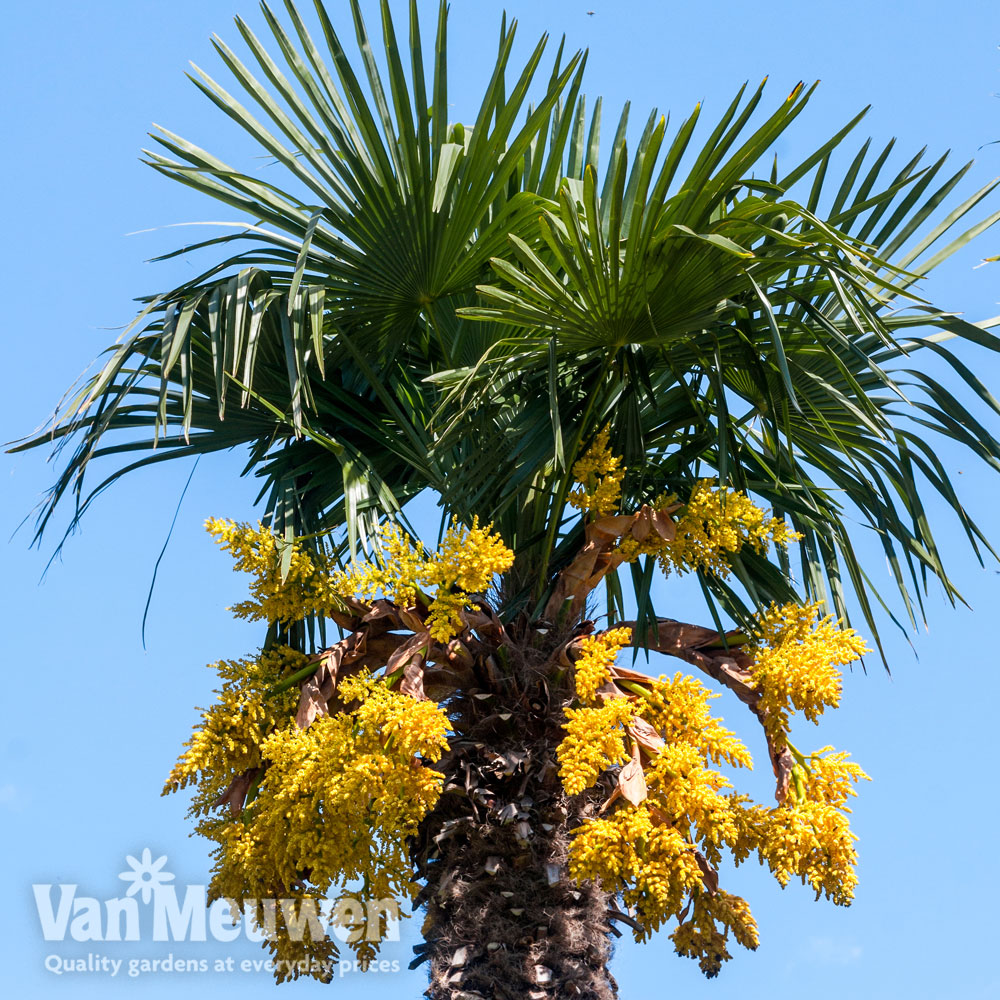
462,307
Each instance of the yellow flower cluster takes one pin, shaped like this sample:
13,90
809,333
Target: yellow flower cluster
689,792
444,615
289,936
678,707
830,778
660,854
396,576
228,741
809,840
466,562
337,803
649,862
469,558
594,742
795,661
699,936
599,474
301,590
597,655
292,583
716,522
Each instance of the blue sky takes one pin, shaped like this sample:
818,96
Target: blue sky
93,721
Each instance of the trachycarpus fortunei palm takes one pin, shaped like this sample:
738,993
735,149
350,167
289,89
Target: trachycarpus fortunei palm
604,373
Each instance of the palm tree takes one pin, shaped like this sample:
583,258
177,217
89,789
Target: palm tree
462,308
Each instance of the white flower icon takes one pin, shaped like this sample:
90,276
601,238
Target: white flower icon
145,875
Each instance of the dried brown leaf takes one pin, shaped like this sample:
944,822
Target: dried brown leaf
236,791
664,525
351,615
659,817
609,529
626,674
708,874
413,679
631,779
411,619
646,735
410,655
643,525
312,703
683,634
382,609
458,654
610,690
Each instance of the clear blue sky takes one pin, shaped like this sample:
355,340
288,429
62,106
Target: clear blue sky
93,722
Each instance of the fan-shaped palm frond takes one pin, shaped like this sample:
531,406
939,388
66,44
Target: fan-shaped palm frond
322,330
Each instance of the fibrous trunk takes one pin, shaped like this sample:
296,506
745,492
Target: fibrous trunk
503,918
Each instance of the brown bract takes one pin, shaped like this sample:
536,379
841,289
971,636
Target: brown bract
598,557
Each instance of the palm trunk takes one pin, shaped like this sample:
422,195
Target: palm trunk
503,920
